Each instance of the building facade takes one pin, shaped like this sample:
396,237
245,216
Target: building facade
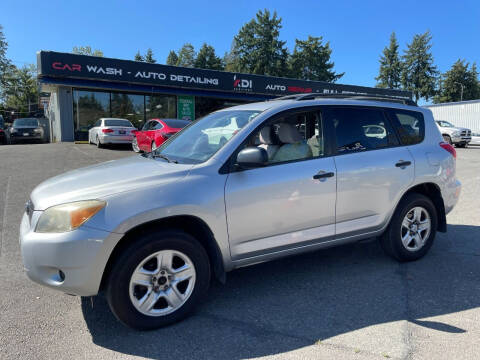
462,114
85,88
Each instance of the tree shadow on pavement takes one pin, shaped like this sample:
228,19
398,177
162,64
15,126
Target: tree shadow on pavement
291,303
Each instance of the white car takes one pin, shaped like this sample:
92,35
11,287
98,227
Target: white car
111,131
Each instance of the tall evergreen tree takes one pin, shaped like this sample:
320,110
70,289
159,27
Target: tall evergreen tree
186,56
311,60
138,56
172,58
459,76
4,62
390,72
419,73
149,57
258,49
207,59
21,89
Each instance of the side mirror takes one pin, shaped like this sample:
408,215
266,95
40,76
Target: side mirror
251,158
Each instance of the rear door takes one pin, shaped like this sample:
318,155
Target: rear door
373,170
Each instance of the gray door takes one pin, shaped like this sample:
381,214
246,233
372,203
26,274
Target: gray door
282,205
372,169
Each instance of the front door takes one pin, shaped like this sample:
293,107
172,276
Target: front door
291,201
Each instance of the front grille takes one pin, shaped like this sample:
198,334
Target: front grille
466,133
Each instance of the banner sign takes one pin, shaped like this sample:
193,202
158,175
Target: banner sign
64,65
185,107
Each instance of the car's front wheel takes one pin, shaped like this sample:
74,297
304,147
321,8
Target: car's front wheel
412,229
135,146
158,280
447,139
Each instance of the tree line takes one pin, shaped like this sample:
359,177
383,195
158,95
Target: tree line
258,49
416,71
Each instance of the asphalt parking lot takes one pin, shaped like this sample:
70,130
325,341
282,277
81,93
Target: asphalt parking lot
351,302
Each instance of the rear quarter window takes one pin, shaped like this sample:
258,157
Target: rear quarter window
410,126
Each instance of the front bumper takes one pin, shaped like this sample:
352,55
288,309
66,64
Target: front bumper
116,139
461,139
72,262
19,136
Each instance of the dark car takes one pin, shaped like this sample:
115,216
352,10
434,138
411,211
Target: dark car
26,129
3,136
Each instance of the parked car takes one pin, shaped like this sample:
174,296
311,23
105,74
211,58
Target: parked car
3,136
111,131
25,129
155,132
475,139
300,174
454,135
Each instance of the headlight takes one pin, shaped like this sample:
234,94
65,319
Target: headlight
38,130
456,133
13,130
68,217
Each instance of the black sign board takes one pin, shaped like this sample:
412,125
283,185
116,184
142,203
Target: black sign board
72,66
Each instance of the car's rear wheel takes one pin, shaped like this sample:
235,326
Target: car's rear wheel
135,146
158,280
447,139
462,145
412,229
154,146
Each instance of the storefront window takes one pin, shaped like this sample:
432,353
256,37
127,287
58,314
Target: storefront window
160,106
88,107
204,105
131,107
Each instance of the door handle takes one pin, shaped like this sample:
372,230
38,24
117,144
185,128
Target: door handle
323,175
402,164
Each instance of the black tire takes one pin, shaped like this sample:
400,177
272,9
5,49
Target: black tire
447,139
461,145
391,240
119,278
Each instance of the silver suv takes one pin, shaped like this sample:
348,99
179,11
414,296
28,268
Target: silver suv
295,175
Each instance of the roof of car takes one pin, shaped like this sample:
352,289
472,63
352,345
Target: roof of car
274,103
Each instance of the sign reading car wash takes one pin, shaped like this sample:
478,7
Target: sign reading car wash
186,107
72,66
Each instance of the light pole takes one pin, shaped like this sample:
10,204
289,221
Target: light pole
461,91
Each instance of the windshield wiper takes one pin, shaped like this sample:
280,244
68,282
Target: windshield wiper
164,157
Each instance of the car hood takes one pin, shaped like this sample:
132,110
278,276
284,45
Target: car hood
452,129
105,179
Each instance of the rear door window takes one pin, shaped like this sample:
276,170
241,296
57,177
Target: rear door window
360,129
410,125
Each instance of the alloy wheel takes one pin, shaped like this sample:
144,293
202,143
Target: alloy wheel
416,228
162,283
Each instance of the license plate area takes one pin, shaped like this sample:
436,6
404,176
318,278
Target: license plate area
26,134
122,132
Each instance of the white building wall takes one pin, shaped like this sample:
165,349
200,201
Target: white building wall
463,114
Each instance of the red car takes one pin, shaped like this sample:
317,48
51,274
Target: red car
155,132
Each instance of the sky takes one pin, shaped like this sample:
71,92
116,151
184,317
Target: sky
357,30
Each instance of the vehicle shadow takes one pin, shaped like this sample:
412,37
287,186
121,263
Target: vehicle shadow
291,303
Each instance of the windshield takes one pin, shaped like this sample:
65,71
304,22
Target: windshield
25,122
203,138
118,123
444,124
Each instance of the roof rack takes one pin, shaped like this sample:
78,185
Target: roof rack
311,96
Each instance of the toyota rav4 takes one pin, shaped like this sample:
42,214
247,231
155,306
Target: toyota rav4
294,175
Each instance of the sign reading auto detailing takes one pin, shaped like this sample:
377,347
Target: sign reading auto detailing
65,65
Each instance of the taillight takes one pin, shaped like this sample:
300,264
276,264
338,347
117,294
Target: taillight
449,148
134,131
106,131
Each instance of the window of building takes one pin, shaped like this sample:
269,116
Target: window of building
360,129
88,107
204,105
161,106
130,107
